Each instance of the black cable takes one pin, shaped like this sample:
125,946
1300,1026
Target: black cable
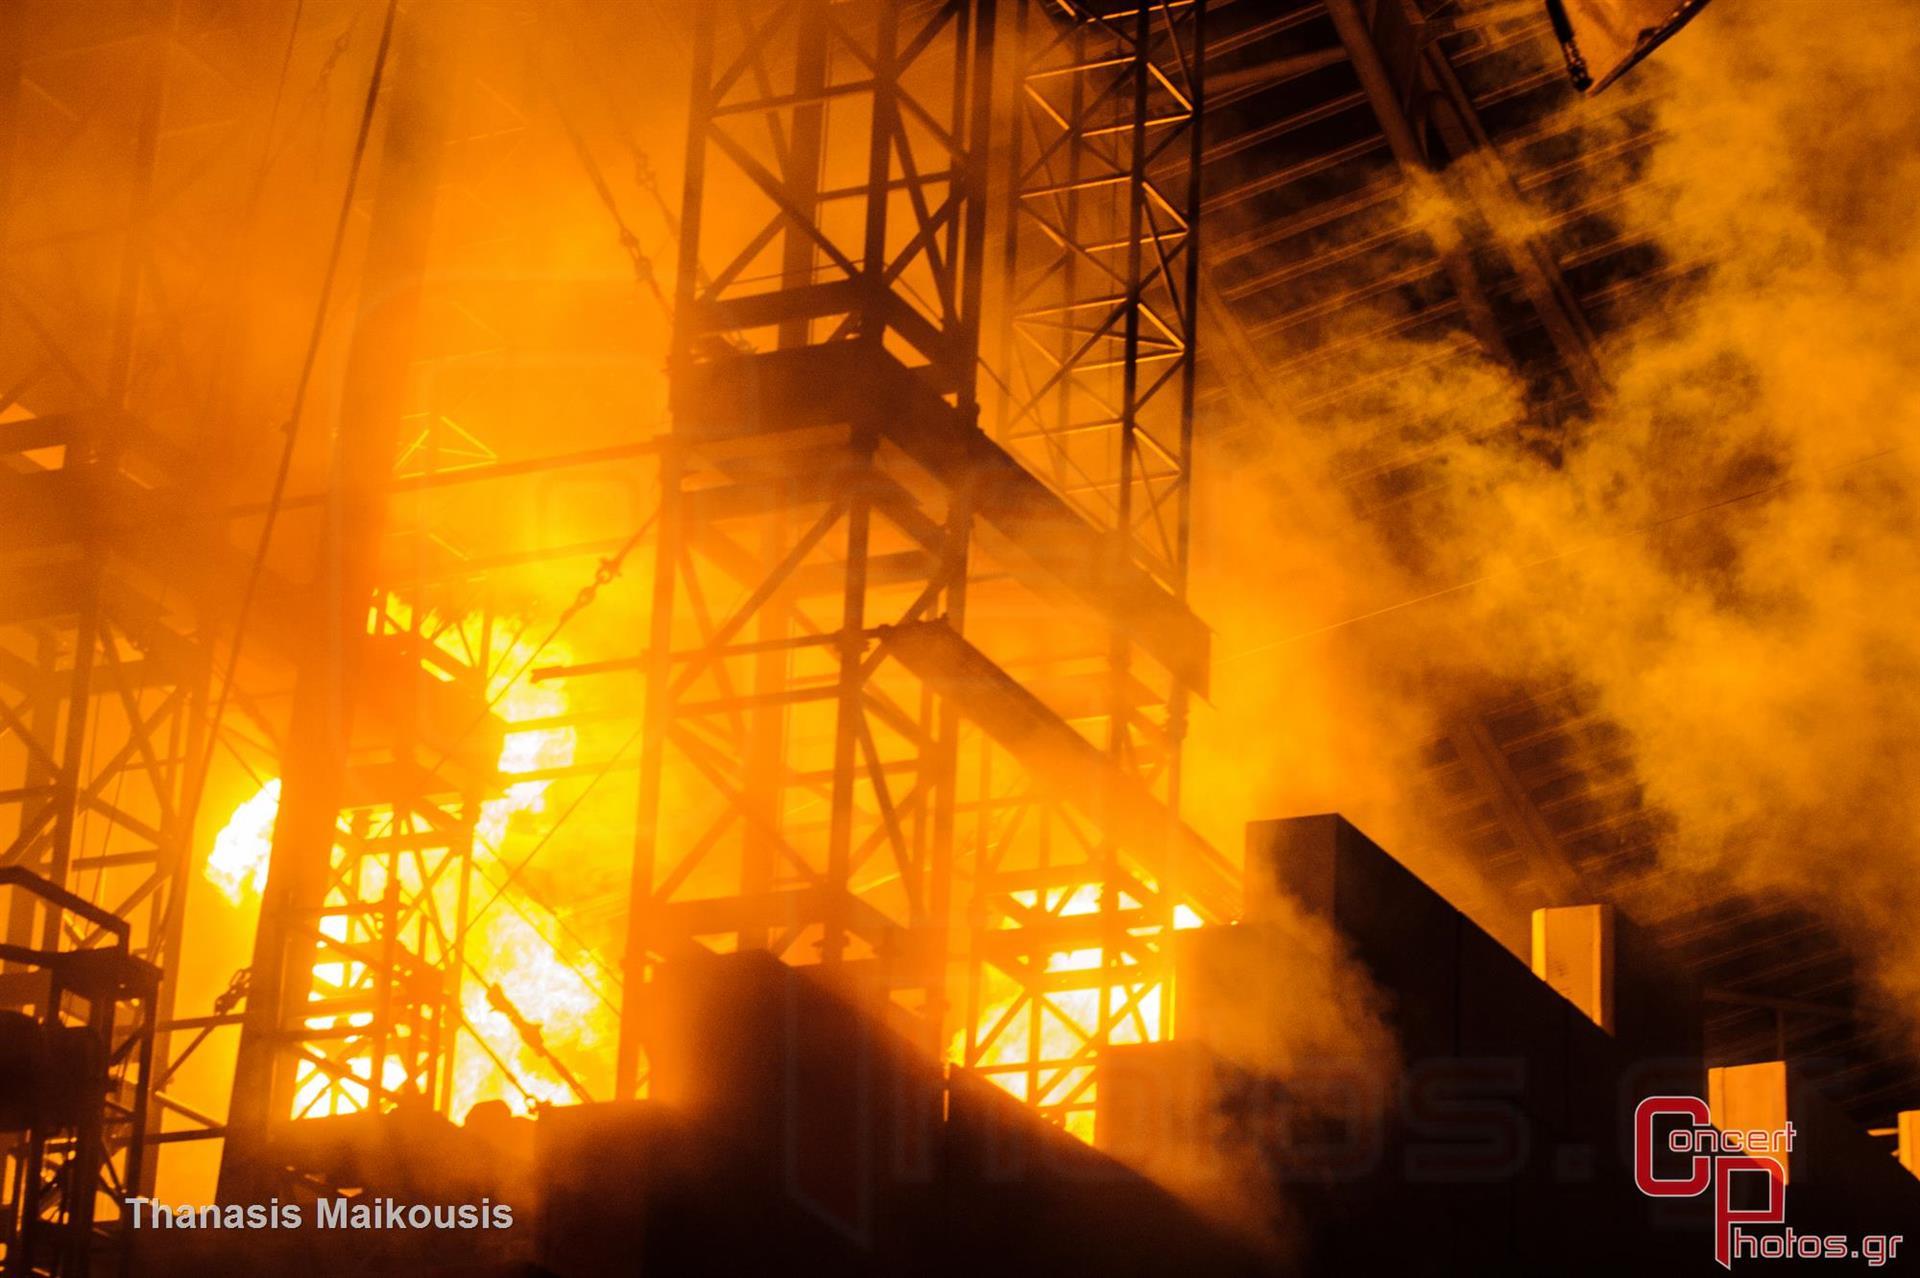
643,272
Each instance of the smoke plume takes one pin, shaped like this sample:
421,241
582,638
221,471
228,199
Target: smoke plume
1722,553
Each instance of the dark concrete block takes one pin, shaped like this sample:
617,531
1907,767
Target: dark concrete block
1026,1198
1401,930
814,1098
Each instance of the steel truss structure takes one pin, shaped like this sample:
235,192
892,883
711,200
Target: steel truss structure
386,934
103,674
367,975
1095,378
811,801
112,595
82,1123
1102,264
836,764
353,996
99,745
919,652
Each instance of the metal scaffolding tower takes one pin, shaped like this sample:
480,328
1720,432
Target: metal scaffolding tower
836,765
369,967
103,674
1096,378
78,1119
1101,267
917,663
356,962
834,177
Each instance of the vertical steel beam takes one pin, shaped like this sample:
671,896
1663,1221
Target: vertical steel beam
799,757
323,714
655,725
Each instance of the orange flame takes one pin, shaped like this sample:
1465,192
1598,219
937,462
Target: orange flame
567,1000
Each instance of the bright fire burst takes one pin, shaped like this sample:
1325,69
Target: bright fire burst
514,944
1035,1046
238,863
